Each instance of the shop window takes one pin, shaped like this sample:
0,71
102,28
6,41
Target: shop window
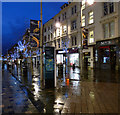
91,20
83,20
73,25
91,36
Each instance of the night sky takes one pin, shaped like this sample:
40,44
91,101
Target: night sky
16,19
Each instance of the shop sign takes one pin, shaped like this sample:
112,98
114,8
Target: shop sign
73,50
107,43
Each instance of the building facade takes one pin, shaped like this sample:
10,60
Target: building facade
102,22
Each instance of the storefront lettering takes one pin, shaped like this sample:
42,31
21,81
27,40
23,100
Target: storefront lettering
106,43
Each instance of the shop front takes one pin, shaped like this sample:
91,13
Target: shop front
69,58
107,54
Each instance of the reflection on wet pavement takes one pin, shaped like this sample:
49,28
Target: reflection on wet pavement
73,94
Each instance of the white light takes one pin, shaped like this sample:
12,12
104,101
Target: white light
57,25
90,2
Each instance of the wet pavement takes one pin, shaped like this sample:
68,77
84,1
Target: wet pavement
14,99
91,93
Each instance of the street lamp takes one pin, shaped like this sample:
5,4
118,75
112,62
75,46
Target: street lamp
90,2
57,25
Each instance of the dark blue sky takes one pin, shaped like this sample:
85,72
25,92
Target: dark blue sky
16,19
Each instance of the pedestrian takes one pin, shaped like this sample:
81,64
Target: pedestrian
73,66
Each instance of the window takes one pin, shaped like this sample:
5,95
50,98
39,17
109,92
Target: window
83,20
109,29
51,26
58,43
64,16
59,18
106,30
51,36
111,7
55,43
64,29
83,4
112,29
91,20
45,30
73,25
48,37
105,8
48,28
74,10
91,36
74,40
44,38
108,8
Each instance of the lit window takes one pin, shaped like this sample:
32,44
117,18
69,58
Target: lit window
64,29
83,20
91,36
91,20
83,4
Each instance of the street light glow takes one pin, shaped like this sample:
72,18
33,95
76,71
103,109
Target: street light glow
90,2
57,25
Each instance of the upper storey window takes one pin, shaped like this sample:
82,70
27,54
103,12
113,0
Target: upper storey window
91,19
108,8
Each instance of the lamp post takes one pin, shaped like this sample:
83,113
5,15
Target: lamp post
41,46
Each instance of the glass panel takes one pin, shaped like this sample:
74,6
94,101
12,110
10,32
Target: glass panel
112,29
106,28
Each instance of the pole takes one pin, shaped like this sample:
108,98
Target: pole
81,52
41,46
